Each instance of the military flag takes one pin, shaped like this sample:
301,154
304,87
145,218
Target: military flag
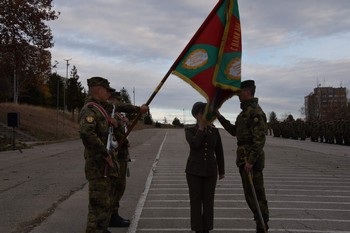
211,62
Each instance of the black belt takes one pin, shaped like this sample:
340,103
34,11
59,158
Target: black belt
242,143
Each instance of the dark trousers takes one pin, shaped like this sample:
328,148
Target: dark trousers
258,181
202,191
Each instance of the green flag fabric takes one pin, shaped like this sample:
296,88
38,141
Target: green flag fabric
211,62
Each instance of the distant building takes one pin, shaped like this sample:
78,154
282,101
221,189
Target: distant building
326,103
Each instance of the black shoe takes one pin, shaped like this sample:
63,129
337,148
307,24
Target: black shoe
117,221
107,231
261,230
123,219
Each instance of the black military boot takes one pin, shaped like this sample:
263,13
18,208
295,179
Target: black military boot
261,230
117,221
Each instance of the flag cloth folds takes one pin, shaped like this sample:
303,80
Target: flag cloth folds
211,62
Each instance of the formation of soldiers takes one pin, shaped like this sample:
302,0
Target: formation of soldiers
332,132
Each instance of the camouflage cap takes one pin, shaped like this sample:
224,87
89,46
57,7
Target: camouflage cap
98,81
247,84
197,108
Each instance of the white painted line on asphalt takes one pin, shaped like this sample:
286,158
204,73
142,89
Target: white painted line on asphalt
140,204
292,176
269,182
241,194
270,189
267,186
240,230
250,219
244,201
246,208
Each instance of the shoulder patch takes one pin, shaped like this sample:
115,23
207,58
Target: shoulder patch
89,119
256,120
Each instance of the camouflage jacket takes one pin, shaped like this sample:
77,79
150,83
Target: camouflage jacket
128,108
94,133
250,130
119,132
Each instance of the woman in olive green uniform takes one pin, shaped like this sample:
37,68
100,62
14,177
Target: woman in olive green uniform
205,162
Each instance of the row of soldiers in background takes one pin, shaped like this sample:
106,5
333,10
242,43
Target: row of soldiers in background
333,132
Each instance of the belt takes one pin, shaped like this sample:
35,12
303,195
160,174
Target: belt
242,143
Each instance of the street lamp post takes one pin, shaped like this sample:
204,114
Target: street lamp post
57,96
14,86
64,92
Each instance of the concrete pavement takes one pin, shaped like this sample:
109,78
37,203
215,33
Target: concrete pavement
308,188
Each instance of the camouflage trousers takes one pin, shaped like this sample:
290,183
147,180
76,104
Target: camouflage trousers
258,181
119,185
100,208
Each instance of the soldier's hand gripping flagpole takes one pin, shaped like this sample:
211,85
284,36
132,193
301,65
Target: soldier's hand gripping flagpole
250,178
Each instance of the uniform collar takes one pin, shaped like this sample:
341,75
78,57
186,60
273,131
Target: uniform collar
250,102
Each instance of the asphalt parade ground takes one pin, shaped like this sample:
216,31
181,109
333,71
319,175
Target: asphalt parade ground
43,189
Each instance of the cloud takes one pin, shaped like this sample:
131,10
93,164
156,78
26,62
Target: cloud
289,47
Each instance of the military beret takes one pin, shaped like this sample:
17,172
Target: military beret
247,84
98,81
197,108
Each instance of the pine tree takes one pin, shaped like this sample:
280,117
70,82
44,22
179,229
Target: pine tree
75,92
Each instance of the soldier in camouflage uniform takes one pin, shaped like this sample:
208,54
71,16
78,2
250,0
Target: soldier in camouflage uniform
123,155
94,124
250,130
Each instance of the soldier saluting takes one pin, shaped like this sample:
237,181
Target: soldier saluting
94,125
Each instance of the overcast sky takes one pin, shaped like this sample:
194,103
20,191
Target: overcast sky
289,47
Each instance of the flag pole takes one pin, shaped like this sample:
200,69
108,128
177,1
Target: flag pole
177,61
261,219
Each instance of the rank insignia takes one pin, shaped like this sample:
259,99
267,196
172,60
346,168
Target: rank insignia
89,119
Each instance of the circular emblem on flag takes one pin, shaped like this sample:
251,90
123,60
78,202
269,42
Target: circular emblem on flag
233,69
196,59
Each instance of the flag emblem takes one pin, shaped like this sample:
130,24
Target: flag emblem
196,59
233,69
211,62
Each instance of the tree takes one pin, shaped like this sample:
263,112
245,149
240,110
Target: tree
24,40
75,92
125,96
126,99
147,120
290,118
176,122
55,85
273,117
